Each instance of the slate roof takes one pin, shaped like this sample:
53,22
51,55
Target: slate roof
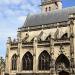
50,17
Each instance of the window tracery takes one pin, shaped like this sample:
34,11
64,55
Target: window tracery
27,61
14,62
44,61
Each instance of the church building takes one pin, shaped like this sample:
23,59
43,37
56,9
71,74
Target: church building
45,44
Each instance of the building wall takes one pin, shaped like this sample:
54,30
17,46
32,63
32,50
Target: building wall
37,49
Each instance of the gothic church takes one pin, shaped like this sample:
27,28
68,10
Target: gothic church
45,44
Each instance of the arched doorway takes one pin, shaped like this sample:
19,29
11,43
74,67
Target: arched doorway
63,73
62,62
44,61
27,61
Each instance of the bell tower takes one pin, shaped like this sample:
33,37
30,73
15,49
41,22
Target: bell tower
50,5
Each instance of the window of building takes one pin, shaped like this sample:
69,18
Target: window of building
27,61
14,62
46,9
44,61
49,8
62,62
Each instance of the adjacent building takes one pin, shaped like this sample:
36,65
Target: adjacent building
45,44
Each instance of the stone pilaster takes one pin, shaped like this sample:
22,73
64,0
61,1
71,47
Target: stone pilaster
72,43
52,69
18,52
34,55
8,61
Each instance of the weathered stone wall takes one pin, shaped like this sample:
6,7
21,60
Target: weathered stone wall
36,50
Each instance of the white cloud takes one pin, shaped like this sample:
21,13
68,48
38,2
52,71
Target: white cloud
10,1
12,15
4,1
15,1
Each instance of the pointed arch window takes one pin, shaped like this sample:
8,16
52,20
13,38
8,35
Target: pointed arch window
49,8
62,62
44,61
14,62
46,9
64,73
27,61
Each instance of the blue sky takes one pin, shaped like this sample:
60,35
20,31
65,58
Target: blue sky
13,14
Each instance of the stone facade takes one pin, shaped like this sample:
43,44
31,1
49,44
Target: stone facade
43,50
50,5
